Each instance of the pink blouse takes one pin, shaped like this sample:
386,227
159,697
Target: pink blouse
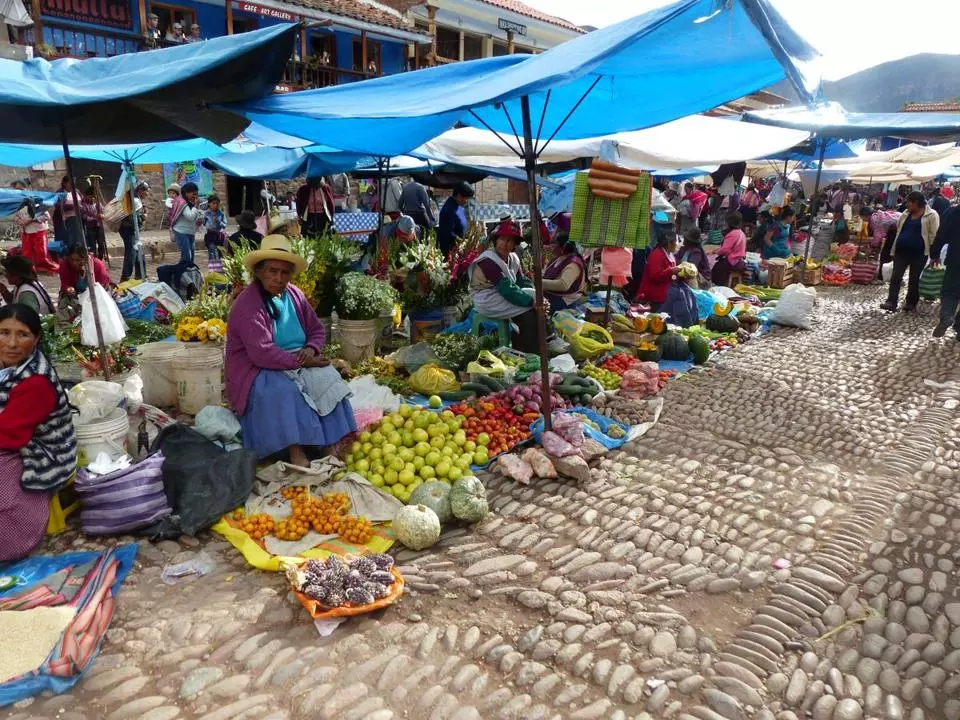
734,246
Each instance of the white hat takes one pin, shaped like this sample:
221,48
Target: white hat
275,247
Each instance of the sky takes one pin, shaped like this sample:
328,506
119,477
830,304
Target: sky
852,35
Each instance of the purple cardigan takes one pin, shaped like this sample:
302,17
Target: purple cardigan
250,347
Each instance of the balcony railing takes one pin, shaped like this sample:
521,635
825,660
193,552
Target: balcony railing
66,41
302,75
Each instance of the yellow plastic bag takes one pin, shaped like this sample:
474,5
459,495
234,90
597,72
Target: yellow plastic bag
590,341
431,379
487,364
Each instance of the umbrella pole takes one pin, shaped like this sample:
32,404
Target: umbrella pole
91,278
137,247
816,200
530,164
382,197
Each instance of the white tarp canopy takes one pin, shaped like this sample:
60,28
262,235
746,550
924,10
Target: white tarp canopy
693,141
877,172
912,154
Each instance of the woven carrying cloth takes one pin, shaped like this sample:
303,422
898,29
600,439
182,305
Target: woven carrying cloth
601,222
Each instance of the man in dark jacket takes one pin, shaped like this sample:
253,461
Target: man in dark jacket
938,202
948,234
453,218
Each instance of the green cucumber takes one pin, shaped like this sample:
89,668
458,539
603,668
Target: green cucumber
476,388
492,383
451,396
581,381
570,391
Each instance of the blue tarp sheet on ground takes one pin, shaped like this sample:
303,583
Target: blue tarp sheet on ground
831,120
664,64
34,569
142,97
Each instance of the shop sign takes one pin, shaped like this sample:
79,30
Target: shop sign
515,28
110,13
267,11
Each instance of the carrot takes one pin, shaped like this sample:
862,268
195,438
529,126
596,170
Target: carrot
612,186
616,177
616,169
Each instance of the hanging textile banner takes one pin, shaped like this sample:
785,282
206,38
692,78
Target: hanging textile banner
611,222
188,171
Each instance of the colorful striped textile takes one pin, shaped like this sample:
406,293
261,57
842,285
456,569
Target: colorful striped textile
601,222
91,594
124,500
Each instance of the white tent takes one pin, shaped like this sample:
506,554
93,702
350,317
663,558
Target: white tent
693,141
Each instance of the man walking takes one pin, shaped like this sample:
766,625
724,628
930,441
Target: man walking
949,235
415,202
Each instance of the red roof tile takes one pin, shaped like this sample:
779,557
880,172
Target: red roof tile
363,10
521,9
931,107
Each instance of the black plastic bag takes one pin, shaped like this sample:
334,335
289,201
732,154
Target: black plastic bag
203,481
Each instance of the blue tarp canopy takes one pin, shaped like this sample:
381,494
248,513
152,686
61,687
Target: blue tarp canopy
684,58
831,120
142,97
270,163
809,152
11,200
156,153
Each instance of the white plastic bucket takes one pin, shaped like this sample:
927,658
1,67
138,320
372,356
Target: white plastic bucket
198,372
358,338
156,365
108,435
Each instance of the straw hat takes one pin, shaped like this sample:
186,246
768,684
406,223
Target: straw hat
275,247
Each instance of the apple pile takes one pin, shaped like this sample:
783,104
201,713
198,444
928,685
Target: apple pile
413,446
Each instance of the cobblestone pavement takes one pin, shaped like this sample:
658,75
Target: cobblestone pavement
782,545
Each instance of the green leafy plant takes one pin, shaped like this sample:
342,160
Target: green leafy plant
233,266
207,306
329,257
363,297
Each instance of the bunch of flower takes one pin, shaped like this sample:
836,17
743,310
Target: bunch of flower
206,306
196,329
363,297
120,359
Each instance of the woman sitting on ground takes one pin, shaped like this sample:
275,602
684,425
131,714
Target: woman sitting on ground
283,390
659,272
26,288
732,252
692,252
38,447
497,287
565,276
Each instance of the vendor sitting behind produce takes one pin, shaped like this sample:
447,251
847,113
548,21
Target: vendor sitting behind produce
693,253
27,289
282,389
776,241
73,272
496,286
38,445
659,272
565,276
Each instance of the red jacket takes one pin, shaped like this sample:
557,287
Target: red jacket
657,276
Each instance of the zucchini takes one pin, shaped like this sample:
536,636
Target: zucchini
581,381
585,399
570,391
475,388
492,383
456,396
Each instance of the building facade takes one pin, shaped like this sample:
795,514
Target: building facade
471,29
346,40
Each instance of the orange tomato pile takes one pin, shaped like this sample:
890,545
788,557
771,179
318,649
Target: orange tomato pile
256,526
327,515
493,423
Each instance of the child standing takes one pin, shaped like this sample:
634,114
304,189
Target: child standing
214,224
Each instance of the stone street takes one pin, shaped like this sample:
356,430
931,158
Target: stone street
783,544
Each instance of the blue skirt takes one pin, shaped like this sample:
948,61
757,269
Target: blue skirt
277,417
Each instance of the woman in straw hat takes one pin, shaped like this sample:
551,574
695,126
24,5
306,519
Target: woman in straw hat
283,390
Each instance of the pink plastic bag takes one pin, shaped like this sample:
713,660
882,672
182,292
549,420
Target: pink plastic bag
515,469
542,467
568,428
556,445
643,380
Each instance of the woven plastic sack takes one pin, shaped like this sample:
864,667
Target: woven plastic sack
590,341
931,283
431,379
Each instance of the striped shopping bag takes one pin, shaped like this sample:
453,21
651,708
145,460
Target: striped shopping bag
864,272
931,282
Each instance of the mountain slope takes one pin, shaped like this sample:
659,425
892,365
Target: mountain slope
885,88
